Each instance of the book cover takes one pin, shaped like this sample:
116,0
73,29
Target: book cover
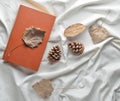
18,53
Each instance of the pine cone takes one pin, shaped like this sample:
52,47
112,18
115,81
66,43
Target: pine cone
54,54
76,47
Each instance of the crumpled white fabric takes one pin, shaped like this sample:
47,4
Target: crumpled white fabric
92,76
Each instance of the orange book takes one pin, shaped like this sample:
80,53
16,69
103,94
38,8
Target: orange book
23,55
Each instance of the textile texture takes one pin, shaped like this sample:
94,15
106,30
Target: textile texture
92,76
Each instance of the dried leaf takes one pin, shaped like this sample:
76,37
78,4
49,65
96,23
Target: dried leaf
33,36
74,30
98,33
43,88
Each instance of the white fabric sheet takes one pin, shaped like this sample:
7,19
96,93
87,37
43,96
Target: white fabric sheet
92,76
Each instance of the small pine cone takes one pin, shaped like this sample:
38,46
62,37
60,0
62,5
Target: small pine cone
54,54
76,47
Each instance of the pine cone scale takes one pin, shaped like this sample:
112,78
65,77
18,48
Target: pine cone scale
54,54
76,47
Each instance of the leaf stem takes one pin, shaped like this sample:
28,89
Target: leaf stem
14,49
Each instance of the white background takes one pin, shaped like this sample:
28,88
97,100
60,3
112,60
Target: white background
92,76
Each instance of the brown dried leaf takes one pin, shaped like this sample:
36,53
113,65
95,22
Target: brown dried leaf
33,36
74,30
43,88
98,33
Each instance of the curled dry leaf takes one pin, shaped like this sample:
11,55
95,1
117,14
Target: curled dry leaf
74,30
98,33
43,88
33,36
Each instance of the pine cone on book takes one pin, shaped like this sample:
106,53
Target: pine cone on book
54,54
77,48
